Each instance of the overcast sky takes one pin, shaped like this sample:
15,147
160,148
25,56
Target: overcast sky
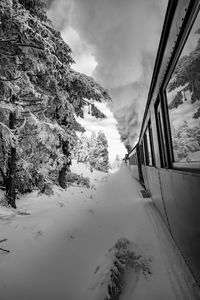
116,42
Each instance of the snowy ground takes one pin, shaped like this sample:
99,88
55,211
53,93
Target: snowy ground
55,250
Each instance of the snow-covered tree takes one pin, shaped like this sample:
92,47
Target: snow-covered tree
40,95
92,147
100,160
82,149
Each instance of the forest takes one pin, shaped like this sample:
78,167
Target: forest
41,97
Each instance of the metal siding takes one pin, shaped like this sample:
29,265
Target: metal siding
181,194
156,193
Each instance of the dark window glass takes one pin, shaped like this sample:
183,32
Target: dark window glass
183,98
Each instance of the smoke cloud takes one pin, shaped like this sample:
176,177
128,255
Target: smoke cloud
122,39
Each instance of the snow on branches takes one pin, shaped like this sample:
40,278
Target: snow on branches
40,94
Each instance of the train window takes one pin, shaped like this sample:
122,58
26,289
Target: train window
161,136
183,100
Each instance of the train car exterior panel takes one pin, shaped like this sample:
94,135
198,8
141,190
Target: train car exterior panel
153,178
181,197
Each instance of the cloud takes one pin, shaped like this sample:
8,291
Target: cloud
81,52
122,38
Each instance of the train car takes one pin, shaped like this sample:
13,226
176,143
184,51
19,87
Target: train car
166,158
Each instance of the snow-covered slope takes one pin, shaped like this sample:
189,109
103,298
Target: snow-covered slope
56,250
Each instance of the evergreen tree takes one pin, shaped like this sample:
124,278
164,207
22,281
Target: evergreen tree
40,96
100,154
93,141
82,149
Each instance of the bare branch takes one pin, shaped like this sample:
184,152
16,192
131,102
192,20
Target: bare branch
9,130
4,250
4,240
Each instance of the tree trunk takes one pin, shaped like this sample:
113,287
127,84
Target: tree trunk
62,177
65,168
10,181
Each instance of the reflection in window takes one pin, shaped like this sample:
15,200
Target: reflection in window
148,153
161,135
183,96
148,148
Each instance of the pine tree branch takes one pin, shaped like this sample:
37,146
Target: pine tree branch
7,54
46,89
7,40
29,45
34,103
12,79
35,111
37,75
